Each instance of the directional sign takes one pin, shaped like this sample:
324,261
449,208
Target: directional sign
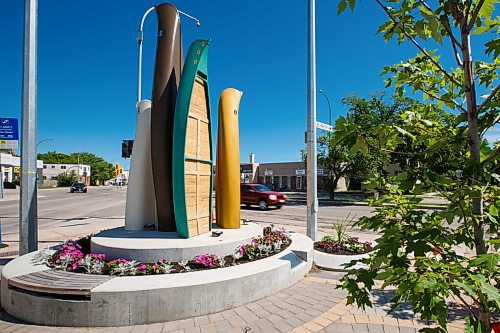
9,129
324,126
320,172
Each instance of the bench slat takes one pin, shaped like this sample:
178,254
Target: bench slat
59,282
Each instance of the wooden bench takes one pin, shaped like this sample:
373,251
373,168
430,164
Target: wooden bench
57,282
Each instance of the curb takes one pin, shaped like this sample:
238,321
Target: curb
360,203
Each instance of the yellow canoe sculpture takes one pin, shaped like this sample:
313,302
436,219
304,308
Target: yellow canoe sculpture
227,167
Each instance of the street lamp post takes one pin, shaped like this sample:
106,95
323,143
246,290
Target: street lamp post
140,38
28,224
329,106
39,142
312,186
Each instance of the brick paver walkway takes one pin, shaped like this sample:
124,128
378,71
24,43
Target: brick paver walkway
312,305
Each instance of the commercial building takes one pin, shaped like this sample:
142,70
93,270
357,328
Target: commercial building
10,169
51,171
284,176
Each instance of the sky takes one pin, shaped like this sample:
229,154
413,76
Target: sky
87,68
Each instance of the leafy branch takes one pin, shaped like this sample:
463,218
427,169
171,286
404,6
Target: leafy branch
477,9
488,99
441,69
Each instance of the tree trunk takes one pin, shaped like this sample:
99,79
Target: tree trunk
474,149
335,181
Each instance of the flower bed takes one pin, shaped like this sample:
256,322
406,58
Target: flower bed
75,256
349,246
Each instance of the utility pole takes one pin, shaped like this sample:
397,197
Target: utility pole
312,188
28,223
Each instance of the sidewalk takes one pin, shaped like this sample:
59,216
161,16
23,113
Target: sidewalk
312,305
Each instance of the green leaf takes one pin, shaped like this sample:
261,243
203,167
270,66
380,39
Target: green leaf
493,210
493,46
352,4
341,6
404,132
487,9
489,261
468,287
491,292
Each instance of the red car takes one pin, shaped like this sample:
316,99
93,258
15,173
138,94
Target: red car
261,195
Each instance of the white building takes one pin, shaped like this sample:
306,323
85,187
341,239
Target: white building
51,171
10,169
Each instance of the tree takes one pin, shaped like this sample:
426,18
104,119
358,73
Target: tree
66,179
417,250
338,162
369,113
100,170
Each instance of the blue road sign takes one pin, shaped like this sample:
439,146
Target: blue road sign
9,129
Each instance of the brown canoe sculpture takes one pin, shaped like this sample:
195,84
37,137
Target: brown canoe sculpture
167,73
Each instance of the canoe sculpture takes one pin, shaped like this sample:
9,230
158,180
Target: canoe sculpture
227,187
140,209
167,73
192,150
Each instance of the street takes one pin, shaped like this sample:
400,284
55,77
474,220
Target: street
63,215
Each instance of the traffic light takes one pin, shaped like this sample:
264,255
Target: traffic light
117,169
127,146
120,171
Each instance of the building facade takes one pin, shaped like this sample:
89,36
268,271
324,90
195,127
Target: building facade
10,169
282,176
51,171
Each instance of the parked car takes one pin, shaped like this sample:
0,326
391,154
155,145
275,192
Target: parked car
78,187
261,195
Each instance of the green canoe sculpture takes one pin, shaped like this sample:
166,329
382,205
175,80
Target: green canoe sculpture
192,161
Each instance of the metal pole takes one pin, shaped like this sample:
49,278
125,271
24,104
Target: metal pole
329,106
1,179
139,38
312,190
28,224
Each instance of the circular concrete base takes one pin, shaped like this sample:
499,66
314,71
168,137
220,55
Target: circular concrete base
136,300
335,262
151,246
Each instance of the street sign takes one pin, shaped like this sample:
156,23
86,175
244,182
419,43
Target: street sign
246,168
9,129
320,172
268,172
9,133
300,172
324,126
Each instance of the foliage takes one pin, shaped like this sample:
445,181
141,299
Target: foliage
260,247
340,229
68,257
66,179
417,252
93,263
369,113
124,267
101,170
207,260
341,242
338,162
74,256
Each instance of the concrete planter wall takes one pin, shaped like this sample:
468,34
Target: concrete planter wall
137,300
335,261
